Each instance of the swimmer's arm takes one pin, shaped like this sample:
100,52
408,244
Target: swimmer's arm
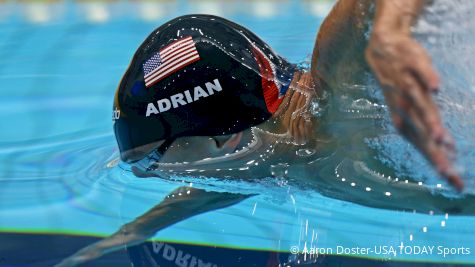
337,56
408,79
402,66
179,205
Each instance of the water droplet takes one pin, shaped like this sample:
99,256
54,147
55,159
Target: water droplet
279,170
362,104
305,152
315,109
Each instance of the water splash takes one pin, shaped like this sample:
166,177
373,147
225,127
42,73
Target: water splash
447,30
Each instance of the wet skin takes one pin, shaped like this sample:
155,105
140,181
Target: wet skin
401,65
403,68
338,143
337,59
287,132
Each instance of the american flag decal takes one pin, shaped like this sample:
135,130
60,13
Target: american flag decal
171,58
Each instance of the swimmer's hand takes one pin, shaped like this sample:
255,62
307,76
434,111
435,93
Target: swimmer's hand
404,70
294,110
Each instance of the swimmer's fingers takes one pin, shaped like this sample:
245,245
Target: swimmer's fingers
418,79
301,119
298,120
287,120
410,124
420,65
437,153
427,80
427,110
438,156
415,99
294,126
291,118
285,103
405,72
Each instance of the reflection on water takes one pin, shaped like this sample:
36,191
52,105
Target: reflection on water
59,157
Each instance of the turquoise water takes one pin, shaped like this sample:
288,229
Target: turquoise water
60,64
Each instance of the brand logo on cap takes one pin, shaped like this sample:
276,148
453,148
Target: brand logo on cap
115,114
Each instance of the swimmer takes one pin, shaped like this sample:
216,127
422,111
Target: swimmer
203,93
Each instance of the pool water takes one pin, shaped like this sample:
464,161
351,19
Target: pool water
60,63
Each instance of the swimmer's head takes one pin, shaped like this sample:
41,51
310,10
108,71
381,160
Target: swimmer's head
196,75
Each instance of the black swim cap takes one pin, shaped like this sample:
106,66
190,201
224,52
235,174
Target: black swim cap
196,75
